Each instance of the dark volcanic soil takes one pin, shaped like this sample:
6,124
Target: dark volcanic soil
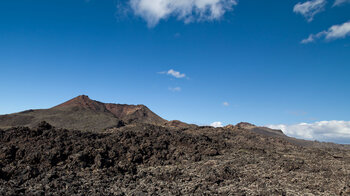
152,160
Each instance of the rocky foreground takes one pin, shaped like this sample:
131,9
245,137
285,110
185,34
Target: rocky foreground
154,160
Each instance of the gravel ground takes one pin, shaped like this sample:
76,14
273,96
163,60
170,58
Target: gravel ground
152,160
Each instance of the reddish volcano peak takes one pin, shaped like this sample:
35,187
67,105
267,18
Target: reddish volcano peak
127,113
82,101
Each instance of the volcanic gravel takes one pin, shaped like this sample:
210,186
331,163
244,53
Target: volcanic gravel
153,160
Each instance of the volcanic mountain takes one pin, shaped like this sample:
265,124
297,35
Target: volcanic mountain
82,113
85,114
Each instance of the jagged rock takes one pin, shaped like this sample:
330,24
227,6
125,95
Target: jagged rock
158,160
44,126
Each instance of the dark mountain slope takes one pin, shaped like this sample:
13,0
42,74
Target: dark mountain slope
70,118
82,113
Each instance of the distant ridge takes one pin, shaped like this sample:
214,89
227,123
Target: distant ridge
83,113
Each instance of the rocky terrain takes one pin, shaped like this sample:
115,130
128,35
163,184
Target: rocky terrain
163,158
145,159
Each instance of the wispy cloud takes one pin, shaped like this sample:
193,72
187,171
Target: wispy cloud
310,8
152,11
216,124
337,131
175,89
333,33
310,39
173,73
225,104
340,2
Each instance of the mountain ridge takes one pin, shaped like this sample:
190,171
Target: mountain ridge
83,113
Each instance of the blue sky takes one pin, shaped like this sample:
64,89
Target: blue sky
277,63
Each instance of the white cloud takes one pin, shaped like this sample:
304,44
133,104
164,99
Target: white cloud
340,2
175,89
216,124
336,131
338,31
225,104
310,8
334,32
174,73
187,10
310,39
